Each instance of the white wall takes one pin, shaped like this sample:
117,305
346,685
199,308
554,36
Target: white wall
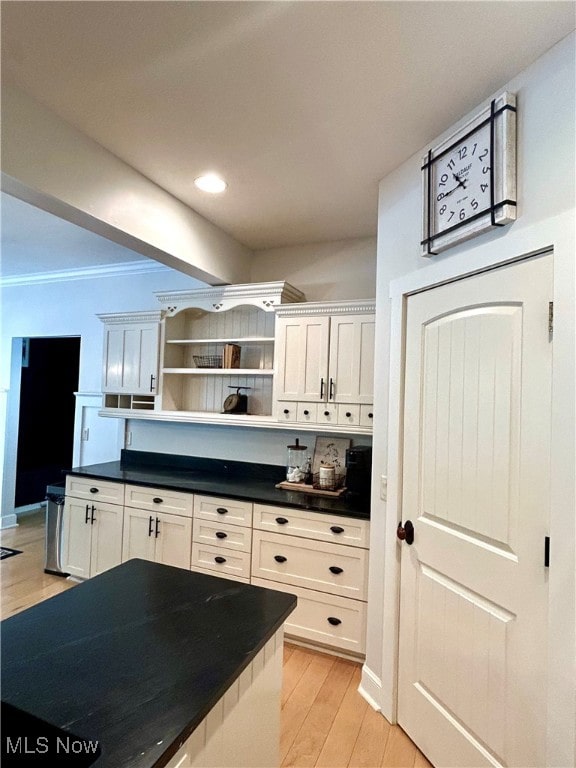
342,269
546,196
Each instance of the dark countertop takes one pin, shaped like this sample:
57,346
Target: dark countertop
135,657
216,477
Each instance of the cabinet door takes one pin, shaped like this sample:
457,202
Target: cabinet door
131,358
351,365
138,534
106,545
174,540
302,358
76,538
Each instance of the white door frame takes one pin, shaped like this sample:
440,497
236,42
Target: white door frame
556,234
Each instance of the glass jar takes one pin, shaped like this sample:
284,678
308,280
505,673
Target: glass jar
296,469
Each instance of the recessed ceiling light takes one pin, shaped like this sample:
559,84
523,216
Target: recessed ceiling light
211,182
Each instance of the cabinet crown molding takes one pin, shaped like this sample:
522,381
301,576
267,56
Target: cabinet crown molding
148,316
327,308
266,296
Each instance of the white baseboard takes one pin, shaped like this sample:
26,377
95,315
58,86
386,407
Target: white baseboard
8,521
371,688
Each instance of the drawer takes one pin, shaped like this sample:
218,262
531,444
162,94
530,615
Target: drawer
159,500
286,411
332,568
327,413
337,622
221,535
94,489
349,414
223,510
366,415
306,412
312,525
222,561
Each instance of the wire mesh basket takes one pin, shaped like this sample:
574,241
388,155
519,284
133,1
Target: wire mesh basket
208,361
332,483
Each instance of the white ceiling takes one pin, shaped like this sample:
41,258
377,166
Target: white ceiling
302,106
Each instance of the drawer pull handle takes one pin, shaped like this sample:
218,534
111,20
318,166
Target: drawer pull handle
157,531
220,559
94,490
336,529
281,520
92,515
157,500
221,534
335,569
280,558
87,514
334,621
150,525
221,510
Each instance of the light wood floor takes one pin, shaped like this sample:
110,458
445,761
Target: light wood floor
325,721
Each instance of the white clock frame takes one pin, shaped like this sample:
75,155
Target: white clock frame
500,116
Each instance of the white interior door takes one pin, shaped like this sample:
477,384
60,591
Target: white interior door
474,592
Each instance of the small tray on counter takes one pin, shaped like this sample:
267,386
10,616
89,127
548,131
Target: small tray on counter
309,488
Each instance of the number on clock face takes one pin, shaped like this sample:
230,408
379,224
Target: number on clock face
461,181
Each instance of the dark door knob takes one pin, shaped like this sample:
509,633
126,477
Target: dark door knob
334,621
222,510
221,534
220,559
280,558
157,500
336,529
336,569
281,520
405,532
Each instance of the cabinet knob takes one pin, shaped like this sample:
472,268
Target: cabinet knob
336,529
281,520
335,569
334,621
370,415
306,413
157,500
221,534
326,413
286,411
220,559
348,414
221,510
280,558
93,490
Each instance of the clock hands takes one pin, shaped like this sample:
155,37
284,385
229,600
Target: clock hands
460,184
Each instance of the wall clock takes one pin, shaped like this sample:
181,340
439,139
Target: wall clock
469,180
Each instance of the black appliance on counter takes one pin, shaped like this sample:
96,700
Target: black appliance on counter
359,470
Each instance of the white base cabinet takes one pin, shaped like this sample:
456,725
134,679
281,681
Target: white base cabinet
321,558
92,531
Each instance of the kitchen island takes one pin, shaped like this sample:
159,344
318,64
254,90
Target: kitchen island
155,665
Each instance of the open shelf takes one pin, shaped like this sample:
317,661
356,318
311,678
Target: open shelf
221,371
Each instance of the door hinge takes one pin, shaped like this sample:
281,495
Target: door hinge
546,551
550,317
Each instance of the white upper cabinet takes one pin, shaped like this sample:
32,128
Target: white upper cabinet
325,363
131,353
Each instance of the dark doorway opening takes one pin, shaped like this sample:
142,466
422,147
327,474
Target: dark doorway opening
48,381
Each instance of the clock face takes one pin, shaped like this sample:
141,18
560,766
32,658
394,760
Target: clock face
460,188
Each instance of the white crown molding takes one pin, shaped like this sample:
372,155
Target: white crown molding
147,316
84,273
327,308
223,297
